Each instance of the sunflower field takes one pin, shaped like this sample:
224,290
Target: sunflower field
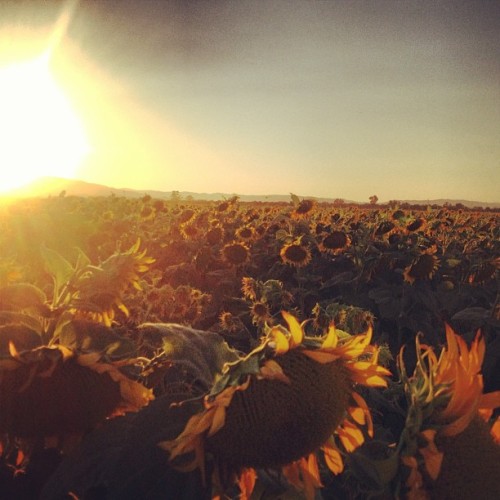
183,349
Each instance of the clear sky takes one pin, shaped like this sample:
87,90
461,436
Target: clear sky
342,99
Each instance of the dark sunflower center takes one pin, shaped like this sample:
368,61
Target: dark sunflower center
273,423
296,253
335,240
236,254
423,267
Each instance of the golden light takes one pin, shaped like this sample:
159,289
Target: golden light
49,81
40,135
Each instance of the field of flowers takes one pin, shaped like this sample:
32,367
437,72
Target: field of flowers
318,351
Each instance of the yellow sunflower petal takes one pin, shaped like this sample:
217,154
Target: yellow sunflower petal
190,438
331,339
451,342
364,407
477,351
350,436
310,474
13,351
292,473
273,371
356,345
321,356
295,329
246,483
368,374
490,400
333,458
433,458
280,339
357,414
495,431
218,420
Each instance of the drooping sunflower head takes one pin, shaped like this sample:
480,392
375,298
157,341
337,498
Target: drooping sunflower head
249,287
304,208
445,398
335,242
423,267
484,272
56,391
215,235
100,290
236,253
296,254
398,215
186,215
189,231
416,225
384,228
286,399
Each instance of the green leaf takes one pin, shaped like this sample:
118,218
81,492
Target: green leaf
90,336
82,261
282,235
374,473
18,318
295,199
60,329
57,266
236,372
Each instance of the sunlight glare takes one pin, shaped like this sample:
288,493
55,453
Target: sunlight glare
40,135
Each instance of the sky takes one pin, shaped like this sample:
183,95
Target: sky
338,99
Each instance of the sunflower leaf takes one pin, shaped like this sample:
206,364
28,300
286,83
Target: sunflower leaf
378,473
295,199
57,266
19,318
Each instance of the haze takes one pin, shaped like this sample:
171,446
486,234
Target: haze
329,99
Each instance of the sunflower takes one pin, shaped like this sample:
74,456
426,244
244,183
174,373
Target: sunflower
230,323
280,404
384,228
485,271
423,267
214,235
223,206
235,253
398,215
186,216
99,290
445,445
260,312
249,288
56,391
245,233
295,254
416,225
189,231
303,208
335,242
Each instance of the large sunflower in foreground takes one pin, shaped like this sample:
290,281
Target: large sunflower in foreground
277,406
52,396
446,445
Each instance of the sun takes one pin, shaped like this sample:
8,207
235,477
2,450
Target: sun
40,134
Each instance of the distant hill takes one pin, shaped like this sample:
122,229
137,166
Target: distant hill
55,186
